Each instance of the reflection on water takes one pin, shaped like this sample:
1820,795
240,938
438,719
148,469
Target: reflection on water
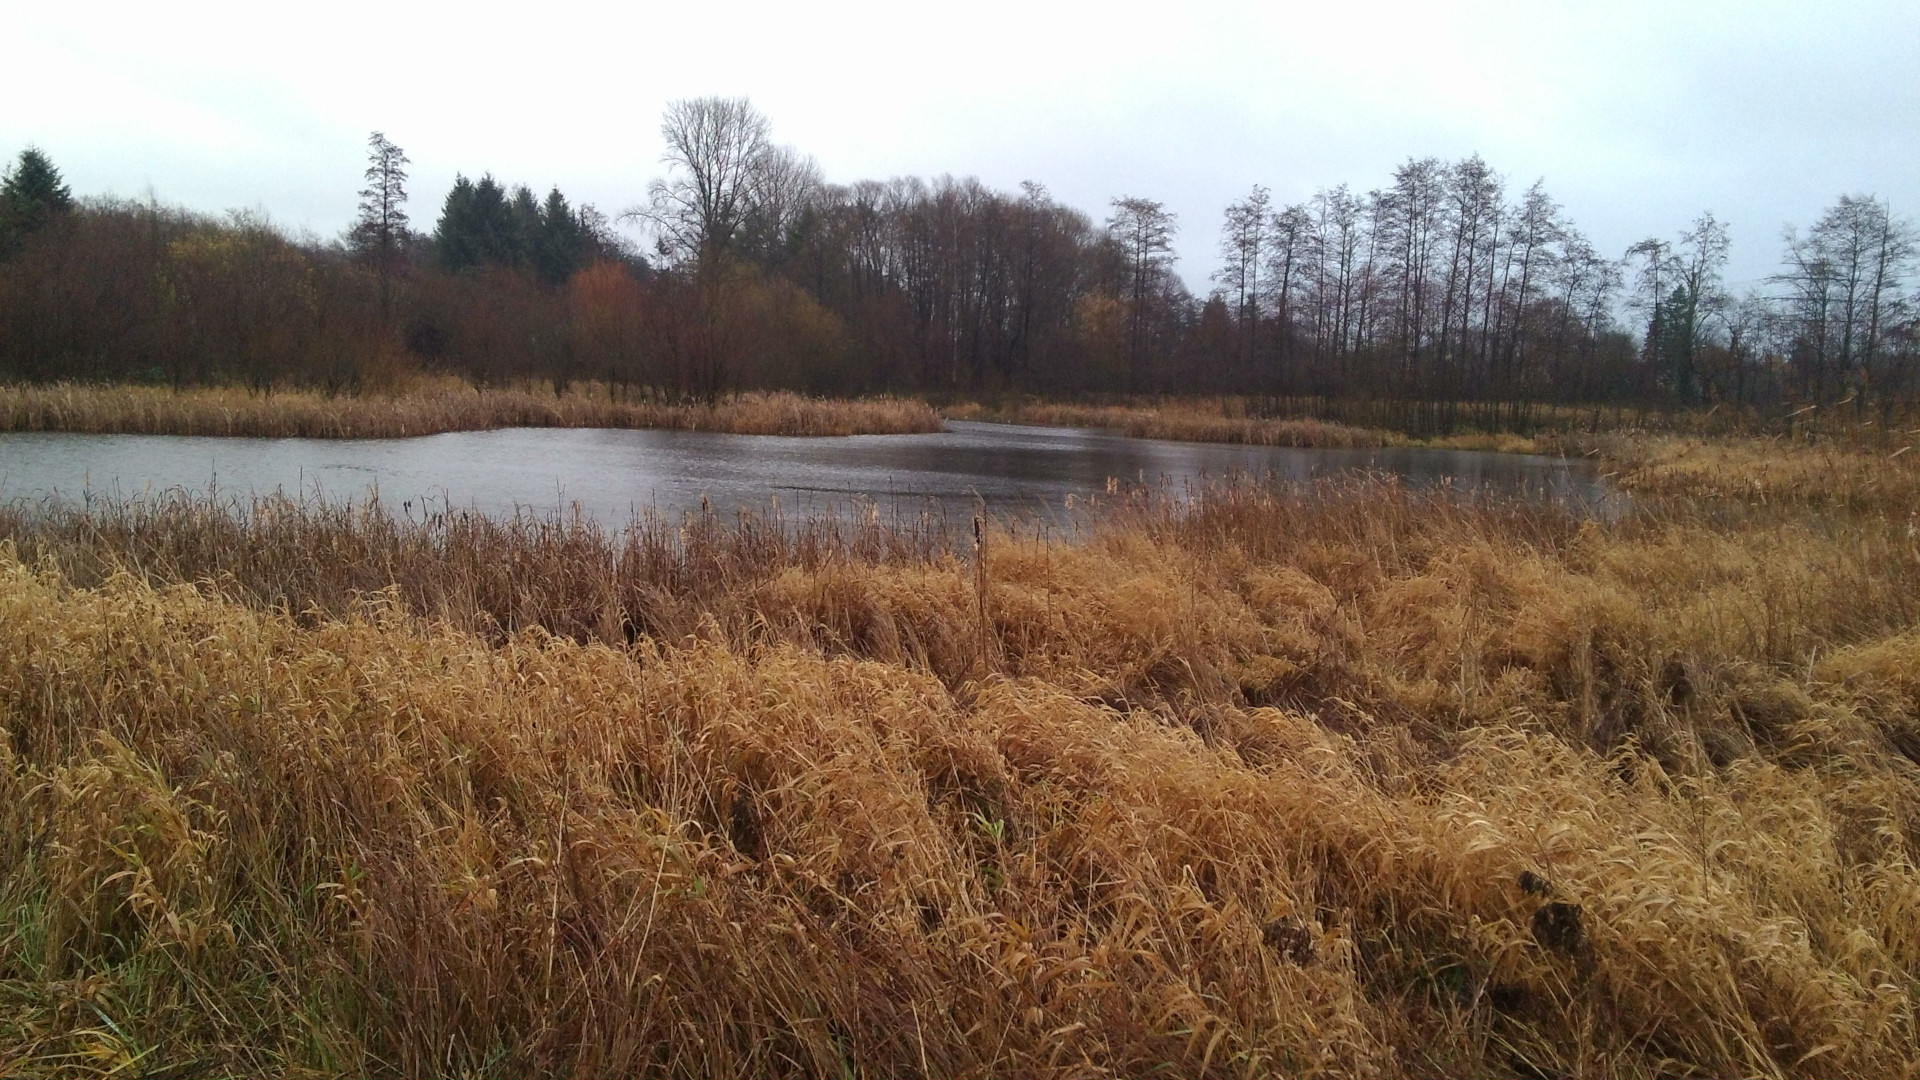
613,474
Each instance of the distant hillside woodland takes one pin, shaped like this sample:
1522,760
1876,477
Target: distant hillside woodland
1442,285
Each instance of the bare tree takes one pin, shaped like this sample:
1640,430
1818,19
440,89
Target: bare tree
1339,236
381,230
1586,284
1699,295
1649,298
716,155
1846,276
1472,210
1289,255
1749,321
1144,229
1536,226
1415,215
784,184
729,193
1243,243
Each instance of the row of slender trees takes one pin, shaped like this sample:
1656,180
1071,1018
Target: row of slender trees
1443,285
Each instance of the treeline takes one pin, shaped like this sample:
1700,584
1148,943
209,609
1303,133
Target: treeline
1442,285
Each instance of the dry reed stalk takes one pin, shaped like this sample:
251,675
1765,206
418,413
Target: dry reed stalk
1625,441
1199,420
1349,780
1859,474
980,589
435,406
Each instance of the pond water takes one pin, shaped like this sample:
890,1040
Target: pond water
613,474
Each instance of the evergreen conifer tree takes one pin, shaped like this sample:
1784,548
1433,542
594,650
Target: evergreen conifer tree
490,223
381,231
561,244
524,235
31,195
456,243
1677,324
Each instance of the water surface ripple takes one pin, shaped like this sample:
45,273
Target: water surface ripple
613,474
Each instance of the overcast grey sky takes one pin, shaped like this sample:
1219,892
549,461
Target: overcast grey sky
1639,114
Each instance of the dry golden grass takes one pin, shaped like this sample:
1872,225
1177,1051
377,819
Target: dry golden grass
1877,473
1694,452
1342,781
1221,420
1831,462
435,405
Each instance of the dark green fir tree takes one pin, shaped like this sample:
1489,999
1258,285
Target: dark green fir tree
31,195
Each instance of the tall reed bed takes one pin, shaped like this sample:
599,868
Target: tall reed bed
662,576
1873,471
436,406
1349,780
1546,429
1195,420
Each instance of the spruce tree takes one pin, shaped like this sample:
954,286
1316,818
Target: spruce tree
382,228
455,237
560,247
524,236
1678,328
31,195
33,187
490,221
483,223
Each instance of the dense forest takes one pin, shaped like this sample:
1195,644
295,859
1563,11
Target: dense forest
1443,284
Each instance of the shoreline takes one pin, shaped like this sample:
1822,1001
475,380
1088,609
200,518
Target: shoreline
437,409
1639,461
1215,420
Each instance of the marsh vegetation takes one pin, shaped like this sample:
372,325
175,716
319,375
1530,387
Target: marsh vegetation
1344,780
426,406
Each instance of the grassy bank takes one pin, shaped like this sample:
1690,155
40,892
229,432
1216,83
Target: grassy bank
1557,430
1349,781
1237,420
1190,420
435,406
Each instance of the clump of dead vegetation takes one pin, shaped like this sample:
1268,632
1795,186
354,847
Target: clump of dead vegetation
429,406
1341,780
